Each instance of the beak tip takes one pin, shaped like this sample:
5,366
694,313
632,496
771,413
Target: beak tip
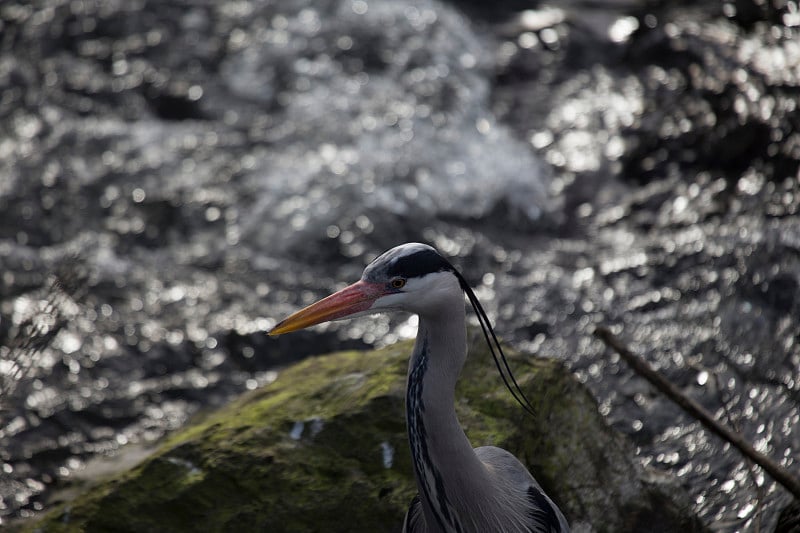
348,301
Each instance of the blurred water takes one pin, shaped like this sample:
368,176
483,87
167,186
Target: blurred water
174,178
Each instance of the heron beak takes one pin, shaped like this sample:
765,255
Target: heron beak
352,299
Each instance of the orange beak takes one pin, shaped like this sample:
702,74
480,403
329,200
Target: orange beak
352,299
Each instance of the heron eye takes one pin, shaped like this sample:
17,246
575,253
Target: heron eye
397,283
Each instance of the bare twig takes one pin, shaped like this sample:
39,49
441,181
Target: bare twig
36,332
32,336
641,367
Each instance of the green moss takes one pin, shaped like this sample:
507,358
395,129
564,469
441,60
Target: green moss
242,468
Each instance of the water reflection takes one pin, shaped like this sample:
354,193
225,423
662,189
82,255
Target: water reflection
197,173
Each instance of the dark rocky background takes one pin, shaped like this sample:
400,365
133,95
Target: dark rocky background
176,176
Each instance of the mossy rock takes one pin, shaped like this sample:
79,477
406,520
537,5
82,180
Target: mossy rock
323,448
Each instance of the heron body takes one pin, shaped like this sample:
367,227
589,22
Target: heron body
461,489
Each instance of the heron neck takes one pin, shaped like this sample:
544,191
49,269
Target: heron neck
444,461
441,346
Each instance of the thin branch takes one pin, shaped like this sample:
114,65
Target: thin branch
641,367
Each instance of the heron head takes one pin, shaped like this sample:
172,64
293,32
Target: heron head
411,277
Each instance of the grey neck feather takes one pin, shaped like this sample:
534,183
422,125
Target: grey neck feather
449,474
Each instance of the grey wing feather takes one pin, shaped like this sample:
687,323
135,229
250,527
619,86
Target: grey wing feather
414,522
545,515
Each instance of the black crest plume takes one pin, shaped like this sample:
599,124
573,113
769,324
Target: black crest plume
500,360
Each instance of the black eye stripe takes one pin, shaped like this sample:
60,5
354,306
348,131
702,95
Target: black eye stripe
418,264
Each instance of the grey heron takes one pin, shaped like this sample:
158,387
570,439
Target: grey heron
461,489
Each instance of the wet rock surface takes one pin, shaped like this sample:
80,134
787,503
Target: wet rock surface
177,177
